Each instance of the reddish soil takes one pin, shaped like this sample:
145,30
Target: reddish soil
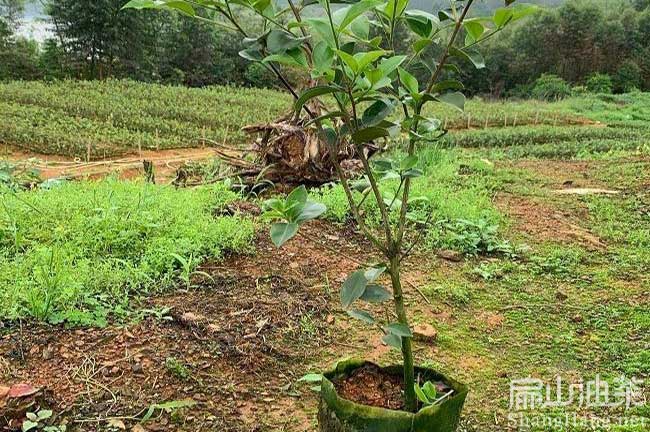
243,337
373,386
166,162
370,385
542,222
561,173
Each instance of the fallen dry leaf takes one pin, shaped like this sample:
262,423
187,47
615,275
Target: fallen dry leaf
4,390
117,424
21,390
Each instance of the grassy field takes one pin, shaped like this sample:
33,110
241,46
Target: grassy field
541,279
78,252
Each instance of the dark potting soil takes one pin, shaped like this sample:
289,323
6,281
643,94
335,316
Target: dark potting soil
371,385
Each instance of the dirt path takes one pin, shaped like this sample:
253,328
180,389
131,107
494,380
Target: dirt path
165,162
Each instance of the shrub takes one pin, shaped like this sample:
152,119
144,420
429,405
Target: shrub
627,77
599,83
550,87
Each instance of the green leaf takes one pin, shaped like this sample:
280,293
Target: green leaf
44,414
181,6
357,9
420,394
375,293
28,425
175,404
311,378
360,27
398,329
390,175
323,56
373,274
361,315
392,340
282,231
349,60
176,5
430,391
409,162
409,82
376,112
397,6
388,65
353,288
428,125
298,195
360,185
294,57
455,99
383,165
474,29
501,17
420,45
368,134
444,15
280,41
261,5
140,4
275,204
321,27
252,54
311,210
365,58
412,173
420,22
474,57
522,10
312,93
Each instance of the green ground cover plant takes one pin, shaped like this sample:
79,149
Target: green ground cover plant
452,203
77,250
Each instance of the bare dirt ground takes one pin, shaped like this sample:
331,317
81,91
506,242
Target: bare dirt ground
244,338
165,162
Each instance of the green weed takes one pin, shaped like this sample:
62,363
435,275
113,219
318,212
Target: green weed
74,251
177,368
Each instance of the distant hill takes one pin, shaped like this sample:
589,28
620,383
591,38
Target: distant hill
481,7
34,25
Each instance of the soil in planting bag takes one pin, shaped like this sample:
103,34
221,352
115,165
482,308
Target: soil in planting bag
337,414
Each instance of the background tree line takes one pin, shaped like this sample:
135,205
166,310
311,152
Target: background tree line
595,45
94,39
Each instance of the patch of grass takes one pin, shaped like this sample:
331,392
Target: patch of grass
624,223
557,261
453,198
78,249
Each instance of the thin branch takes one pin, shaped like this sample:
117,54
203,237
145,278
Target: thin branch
418,109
